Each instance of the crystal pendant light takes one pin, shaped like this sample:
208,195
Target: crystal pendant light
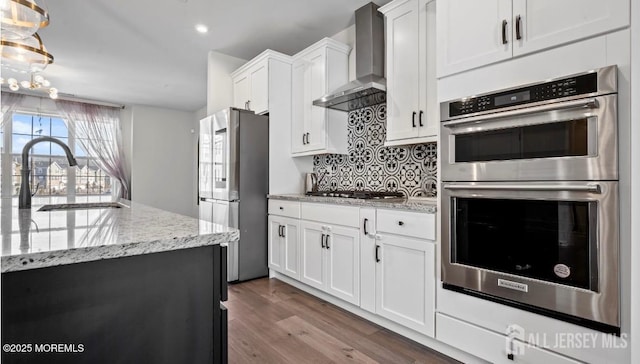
25,56
22,18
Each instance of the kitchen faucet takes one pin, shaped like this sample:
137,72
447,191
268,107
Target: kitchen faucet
25,190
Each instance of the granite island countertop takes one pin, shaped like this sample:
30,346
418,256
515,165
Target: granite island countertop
37,239
411,204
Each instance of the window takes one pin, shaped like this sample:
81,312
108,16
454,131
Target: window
50,171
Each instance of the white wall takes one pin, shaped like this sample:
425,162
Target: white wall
162,152
219,85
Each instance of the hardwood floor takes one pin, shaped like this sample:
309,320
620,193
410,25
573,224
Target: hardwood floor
273,322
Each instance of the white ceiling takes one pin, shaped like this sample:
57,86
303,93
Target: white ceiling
148,52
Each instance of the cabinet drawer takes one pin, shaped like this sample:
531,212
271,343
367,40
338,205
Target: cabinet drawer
489,345
415,224
331,214
284,208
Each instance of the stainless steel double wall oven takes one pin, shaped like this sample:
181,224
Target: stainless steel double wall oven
530,198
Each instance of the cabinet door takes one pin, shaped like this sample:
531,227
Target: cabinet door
312,272
470,34
315,88
241,90
548,23
259,100
290,248
275,244
298,106
429,83
403,60
343,263
405,282
368,259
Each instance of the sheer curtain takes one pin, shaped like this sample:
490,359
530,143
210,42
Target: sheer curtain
9,102
97,130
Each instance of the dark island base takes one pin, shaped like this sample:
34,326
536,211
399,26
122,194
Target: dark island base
154,308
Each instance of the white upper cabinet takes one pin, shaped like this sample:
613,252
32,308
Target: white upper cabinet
241,91
251,82
412,113
470,34
475,33
547,23
318,70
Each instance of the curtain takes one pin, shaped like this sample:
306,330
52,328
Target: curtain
9,102
97,130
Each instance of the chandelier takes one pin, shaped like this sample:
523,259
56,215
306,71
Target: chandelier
22,18
21,47
37,82
25,55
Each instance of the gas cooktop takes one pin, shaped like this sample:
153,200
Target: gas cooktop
364,195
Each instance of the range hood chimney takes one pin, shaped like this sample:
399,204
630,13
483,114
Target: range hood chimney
369,87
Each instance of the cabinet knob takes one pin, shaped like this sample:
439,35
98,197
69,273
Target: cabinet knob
400,223
281,208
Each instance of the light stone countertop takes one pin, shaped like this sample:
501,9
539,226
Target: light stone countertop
418,204
36,239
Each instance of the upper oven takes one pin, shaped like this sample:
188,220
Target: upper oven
563,129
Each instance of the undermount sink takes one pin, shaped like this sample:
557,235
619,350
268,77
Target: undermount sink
80,206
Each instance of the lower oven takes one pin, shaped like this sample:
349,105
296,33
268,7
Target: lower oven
547,247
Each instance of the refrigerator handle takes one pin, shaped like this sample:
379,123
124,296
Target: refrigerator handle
223,272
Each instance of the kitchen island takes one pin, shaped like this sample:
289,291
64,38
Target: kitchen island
106,285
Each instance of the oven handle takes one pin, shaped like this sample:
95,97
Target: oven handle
577,104
593,188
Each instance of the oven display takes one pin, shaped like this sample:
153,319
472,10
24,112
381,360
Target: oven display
511,99
571,86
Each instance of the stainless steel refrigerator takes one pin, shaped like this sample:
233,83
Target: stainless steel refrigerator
233,181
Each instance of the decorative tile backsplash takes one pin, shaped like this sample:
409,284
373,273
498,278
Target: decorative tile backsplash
373,167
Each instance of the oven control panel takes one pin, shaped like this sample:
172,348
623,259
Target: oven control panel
577,85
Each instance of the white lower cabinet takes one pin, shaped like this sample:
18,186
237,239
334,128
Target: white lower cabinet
492,346
313,267
284,250
405,281
398,271
379,259
331,259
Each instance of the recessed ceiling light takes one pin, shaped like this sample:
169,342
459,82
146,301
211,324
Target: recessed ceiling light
201,28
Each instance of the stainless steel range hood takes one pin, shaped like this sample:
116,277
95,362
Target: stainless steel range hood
369,87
